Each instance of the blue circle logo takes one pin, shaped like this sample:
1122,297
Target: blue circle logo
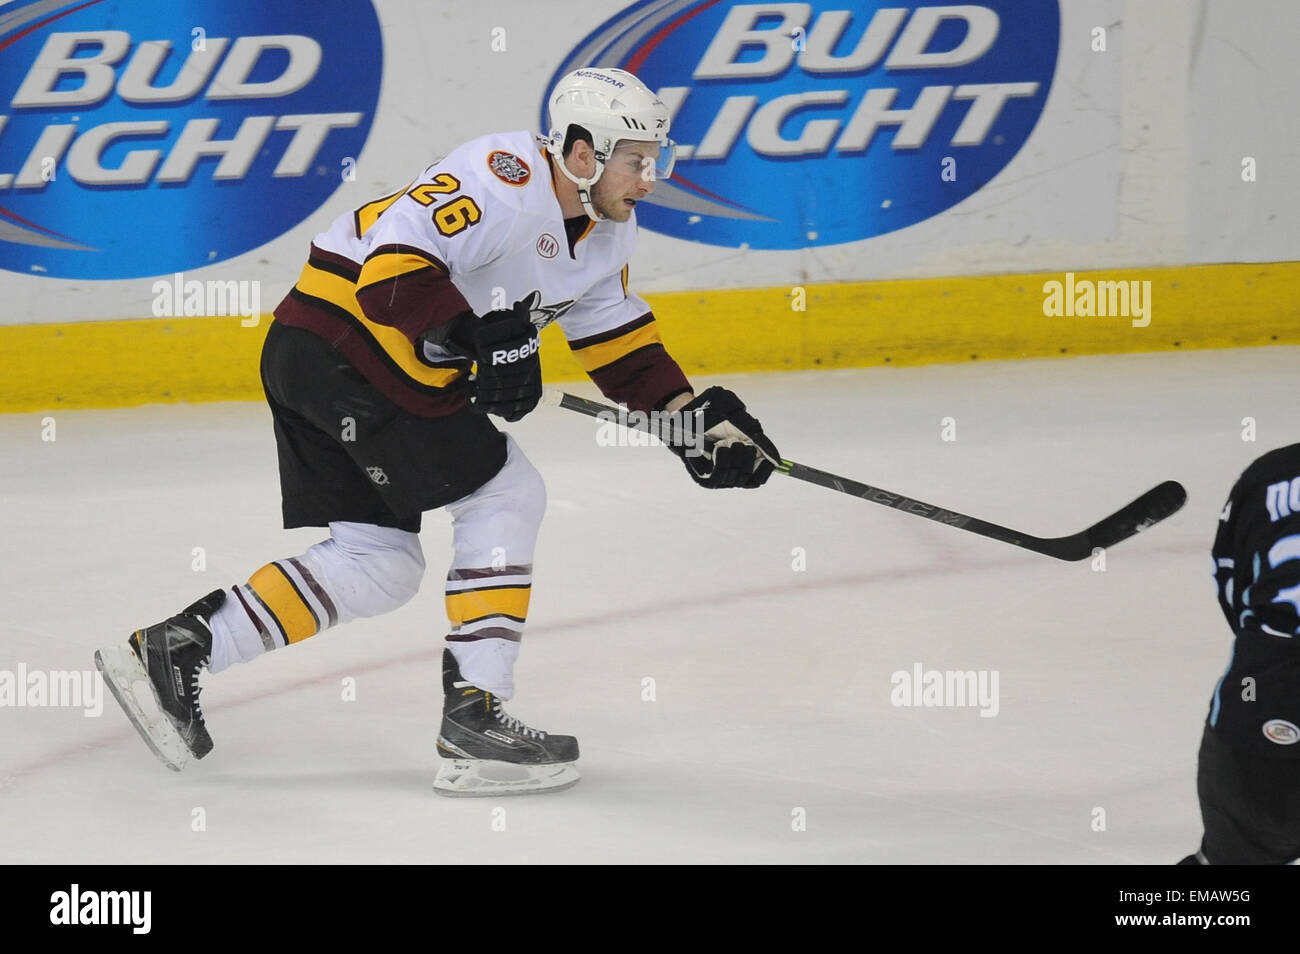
825,122
152,137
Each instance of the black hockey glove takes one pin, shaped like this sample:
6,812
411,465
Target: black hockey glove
723,445
505,345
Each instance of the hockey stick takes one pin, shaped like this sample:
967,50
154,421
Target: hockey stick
1147,510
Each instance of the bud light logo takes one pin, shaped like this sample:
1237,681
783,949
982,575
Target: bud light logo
153,137
817,123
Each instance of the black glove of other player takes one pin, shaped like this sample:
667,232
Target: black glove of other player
505,345
725,445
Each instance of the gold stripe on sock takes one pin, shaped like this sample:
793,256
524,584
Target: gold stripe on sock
279,595
495,601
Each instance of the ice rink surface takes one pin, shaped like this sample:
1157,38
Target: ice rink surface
771,684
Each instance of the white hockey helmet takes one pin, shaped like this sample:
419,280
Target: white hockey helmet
610,105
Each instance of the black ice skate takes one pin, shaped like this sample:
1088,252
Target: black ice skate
169,657
489,752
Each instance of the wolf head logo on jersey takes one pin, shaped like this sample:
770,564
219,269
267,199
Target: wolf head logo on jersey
508,167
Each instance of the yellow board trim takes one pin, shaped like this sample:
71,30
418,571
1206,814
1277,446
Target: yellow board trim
477,603
851,324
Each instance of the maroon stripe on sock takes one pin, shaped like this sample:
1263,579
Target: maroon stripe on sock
317,590
489,633
257,620
298,592
484,572
477,619
489,585
268,641
284,637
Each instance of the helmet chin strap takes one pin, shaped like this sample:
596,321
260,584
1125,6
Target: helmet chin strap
584,186
584,196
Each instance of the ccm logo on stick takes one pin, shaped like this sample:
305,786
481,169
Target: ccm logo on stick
516,354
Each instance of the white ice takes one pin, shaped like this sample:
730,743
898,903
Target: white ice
772,686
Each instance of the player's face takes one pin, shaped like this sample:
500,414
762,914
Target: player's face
628,178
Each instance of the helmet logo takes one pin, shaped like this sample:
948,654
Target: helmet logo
603,77
508,167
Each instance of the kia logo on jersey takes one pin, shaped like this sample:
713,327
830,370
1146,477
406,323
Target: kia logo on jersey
817,123
154,137
548,246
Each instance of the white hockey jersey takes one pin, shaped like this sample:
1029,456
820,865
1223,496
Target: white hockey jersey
478,230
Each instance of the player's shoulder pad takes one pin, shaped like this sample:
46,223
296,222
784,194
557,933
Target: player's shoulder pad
1275,466
1263,505
500,168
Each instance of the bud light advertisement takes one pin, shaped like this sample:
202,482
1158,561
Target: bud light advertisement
825,122
157,136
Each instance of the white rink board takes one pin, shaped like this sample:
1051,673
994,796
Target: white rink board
1135,162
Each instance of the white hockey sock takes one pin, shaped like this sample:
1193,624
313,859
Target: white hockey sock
234,636
490,582
362,570
488,664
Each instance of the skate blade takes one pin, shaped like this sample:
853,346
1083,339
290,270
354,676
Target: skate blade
481,778
122,671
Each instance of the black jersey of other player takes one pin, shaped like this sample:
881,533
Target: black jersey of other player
1256,704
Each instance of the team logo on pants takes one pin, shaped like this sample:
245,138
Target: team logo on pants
1281,731
377,475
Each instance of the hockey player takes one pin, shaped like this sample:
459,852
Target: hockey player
1248,773
417,316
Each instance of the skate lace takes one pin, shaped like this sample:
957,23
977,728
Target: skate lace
194,683
512,724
